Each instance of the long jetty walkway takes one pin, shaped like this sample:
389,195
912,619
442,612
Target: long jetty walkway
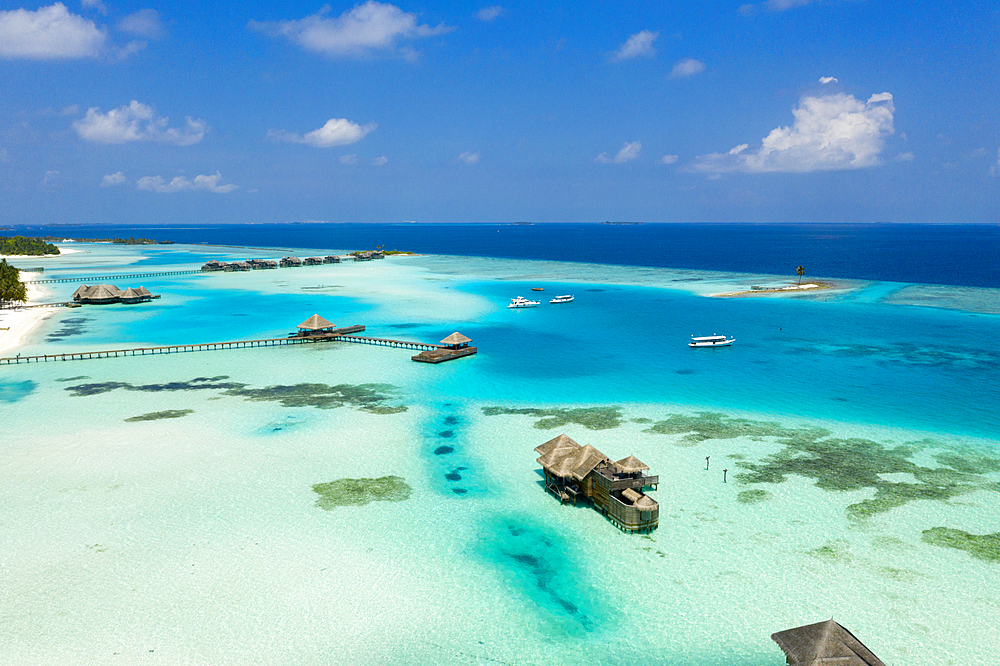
124,276
339,335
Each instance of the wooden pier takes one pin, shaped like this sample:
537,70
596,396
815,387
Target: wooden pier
122,277
337,335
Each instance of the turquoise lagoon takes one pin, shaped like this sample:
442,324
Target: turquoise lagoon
161,509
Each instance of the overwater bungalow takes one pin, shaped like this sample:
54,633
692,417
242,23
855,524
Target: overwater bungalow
213,265
823,643
104,294
312,261
573,473
290,262
454,346
331,259
315,325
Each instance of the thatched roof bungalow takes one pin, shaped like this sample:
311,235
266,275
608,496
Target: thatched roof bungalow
454,346
331,259
824,643
315,325
312,261
103,294
290,262
574,472
213,265
456,341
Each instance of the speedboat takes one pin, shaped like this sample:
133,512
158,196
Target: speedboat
562,299
711,341
522,302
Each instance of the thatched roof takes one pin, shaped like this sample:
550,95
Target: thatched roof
80,291
455,338
555,443
131,293
316,323
631,465
824,643
631,495
645,503
142,291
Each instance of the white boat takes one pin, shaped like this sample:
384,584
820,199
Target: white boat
522,302
562,299
711,341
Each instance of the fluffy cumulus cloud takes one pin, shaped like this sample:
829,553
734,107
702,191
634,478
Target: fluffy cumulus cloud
669,159
183,184
828,79
639,44
489,13
113,179
830,132
137,122
49,33
335,132
629,152
686,68
366,29
469,157
379,161
95,4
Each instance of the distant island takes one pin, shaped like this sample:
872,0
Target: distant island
26,247
623,223
116,240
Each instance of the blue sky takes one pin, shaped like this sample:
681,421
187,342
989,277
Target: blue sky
777,111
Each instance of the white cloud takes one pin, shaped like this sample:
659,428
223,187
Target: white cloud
773,6
669,159
335,132
48,33
469,157
143,23
136,122
365,29
629,152
687,67
113,179
94,4
379,161
905,157
51,178
489,13
831,132
348,159
639,44
183,184
828,79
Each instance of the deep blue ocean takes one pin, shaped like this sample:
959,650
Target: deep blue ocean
964,255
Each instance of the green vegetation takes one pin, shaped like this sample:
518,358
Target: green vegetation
981,546
800,272
372,398
358,492
833,551
12,290
592,418
22,245
156,416
754,496
844,464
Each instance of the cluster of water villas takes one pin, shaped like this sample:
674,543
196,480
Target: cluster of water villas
455,345
574,472
102,294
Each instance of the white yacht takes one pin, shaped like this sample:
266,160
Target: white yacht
568,298
522,302
711,341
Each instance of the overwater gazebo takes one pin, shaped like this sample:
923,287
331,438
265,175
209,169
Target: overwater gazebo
315,325
456,341
824,643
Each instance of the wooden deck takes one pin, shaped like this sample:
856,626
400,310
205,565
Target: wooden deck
122,277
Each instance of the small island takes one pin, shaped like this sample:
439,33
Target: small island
768,291
24,246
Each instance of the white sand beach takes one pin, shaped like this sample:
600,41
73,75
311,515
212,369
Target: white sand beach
17,323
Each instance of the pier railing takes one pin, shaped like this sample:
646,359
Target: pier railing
124,276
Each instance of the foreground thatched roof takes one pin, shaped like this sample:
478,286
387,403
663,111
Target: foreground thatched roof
631,464
824,643
316,323
455,338
562,441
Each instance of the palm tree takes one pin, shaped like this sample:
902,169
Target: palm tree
800,271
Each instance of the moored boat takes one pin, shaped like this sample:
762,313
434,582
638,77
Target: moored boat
711,341
522,302
562,299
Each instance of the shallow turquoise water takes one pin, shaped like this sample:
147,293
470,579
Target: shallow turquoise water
195,538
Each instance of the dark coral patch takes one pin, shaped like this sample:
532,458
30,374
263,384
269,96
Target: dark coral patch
444,450
358,492
156,416
981,546
592,418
